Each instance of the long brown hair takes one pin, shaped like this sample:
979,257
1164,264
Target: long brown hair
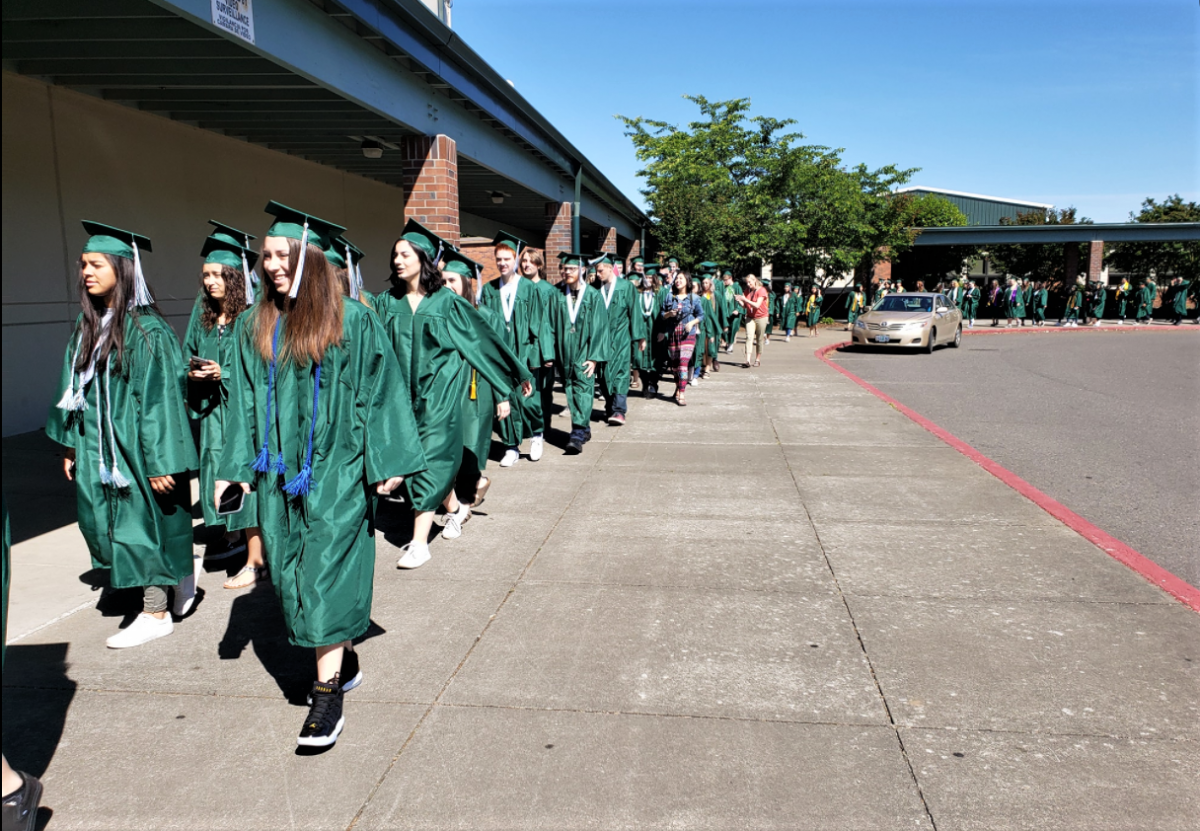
314,318
535,257
232,305
343,278
93,312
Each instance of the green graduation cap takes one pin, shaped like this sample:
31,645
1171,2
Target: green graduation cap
417,234
636,260
459,263
572,258
230,234
105,239
708,267
334,255
602,257
651,268
509,241
727,272
293,224
674,260
223,252
353,256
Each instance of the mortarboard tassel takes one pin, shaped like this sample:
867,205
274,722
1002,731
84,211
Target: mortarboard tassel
141,292
295,289
351,274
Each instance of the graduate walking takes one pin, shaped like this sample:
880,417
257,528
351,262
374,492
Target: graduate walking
645,369
439,338
1014,303
580,325
520,305
856,303
626,333
316,432
1040,300
1124,292
733,321
227,290
533,269
812,310
124,428
788,311
1146,296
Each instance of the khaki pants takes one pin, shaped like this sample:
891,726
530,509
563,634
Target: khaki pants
756,332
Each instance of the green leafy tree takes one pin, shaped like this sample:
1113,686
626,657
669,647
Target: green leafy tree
1180,259
928,210
741,189
1039,261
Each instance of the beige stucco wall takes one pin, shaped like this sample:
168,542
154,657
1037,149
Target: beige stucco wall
69,156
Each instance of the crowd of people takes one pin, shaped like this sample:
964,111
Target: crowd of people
1019,301
313,398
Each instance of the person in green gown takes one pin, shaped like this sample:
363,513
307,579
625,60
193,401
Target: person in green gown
1014,302
1074,305
519,304
645,366
533,269
580,325
1176,299
626,334
733,321
714,322
789,312
439,338
1027,299
226,292
22,792
1146,297
955,294
316,431
1096,295
812,309
772,312
1040,299
856,303
345,257
124,428
481,410
1124,292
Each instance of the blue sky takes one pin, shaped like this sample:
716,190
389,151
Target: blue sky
1091,104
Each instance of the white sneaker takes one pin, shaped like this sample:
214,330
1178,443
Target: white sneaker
510,457
185,596
145,628
415,555
452,530
536,446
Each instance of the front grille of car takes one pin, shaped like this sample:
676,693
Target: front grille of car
885,327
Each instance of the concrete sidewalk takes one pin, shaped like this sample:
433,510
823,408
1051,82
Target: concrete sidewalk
785,606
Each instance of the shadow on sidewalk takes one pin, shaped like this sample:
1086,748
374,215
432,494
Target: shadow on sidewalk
39,497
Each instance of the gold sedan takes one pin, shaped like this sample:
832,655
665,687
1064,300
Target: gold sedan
921,321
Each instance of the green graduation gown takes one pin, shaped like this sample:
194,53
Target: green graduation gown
1097,309
790,312
584,340
970,307
812,310
855,305
544,377
138,536
320,548
528,335
1146,295
206,401
647,309
1122,297
1041,299
1179,301
772,312
438,345
625,325
479,404
733,319
1014,302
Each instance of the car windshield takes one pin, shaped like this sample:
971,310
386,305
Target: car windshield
904,303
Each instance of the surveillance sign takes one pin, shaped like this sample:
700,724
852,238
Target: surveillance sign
235,17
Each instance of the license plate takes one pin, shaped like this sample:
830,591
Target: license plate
882,339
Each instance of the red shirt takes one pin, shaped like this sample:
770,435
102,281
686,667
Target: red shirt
758,294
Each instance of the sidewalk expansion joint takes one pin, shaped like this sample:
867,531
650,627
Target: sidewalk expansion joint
649,714
471,649
912,772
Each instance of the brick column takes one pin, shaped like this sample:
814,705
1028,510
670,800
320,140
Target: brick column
431,184
1071,264
608,242
635,250
558,236
1095,259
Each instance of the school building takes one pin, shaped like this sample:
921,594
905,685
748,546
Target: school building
158,116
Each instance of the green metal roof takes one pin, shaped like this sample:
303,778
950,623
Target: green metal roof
980,209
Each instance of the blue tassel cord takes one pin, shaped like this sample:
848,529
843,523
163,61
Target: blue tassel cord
262,462
303,482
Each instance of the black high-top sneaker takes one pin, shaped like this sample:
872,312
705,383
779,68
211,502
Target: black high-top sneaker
20,806
325,721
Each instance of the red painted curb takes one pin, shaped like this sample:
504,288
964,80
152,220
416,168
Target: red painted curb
1077,330
1175,586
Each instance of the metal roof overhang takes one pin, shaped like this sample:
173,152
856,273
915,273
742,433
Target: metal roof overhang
318,73
1025,234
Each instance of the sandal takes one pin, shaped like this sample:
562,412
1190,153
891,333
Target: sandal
254,571
756,363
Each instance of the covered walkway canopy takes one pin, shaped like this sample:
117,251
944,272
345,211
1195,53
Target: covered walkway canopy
1027,234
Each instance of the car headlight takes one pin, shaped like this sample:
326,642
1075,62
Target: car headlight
860,324
917,324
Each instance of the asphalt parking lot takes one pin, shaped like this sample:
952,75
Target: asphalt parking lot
1106,423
